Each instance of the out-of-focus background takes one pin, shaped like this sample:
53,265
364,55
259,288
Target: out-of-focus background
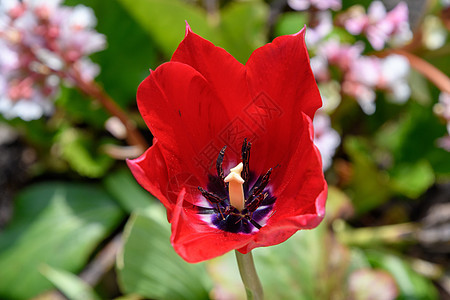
75,224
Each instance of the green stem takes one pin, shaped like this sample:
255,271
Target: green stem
249,277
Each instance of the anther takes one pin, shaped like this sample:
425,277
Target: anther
256,202
214,199
245,156
260,188
210,196
219,165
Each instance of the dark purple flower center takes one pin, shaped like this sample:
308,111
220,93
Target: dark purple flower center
258,198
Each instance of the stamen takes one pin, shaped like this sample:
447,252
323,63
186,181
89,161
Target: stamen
210,196
260,188
233,212
214,199
235,188
245,156
254,223
219,165
253,204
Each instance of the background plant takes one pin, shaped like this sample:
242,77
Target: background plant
73,218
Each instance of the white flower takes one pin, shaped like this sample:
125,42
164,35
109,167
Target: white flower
39,41
325,138
319,4
324,27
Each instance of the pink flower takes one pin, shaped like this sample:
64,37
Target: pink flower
340,55
324,25
325,138
378,25
444,142
368,73
362,75
319,4
39,41
442,109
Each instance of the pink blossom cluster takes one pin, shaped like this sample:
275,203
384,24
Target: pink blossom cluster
325,138
363,75
317,4
42,42
378,25
442,109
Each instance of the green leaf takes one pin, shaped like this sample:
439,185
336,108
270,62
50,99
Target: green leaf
369,186
298,278
57,224
412,138
299,268
78,149
243,28
148,265
412,286
69,284
79,108
128,193
290,23
412,180
239,28
165,20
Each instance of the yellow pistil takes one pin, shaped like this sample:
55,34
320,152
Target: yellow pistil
235,189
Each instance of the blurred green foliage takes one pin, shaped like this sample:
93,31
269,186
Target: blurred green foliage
58,226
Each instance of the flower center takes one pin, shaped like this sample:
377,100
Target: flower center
240,202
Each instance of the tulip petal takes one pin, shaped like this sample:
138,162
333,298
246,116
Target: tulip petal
282,70
183,113
223,72
301,190
282,87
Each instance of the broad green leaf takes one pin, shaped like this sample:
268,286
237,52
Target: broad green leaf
412,286
412,180
69,284
82,153
56,224
291,269
412,138
301,268
242,25
239,28
369,186
165,20
309,265
148,265
290,23
128,193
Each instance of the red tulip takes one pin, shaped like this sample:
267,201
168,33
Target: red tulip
209,113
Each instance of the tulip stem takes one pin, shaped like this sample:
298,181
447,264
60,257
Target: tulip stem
250,278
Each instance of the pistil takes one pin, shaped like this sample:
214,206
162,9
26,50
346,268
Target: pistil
235,187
